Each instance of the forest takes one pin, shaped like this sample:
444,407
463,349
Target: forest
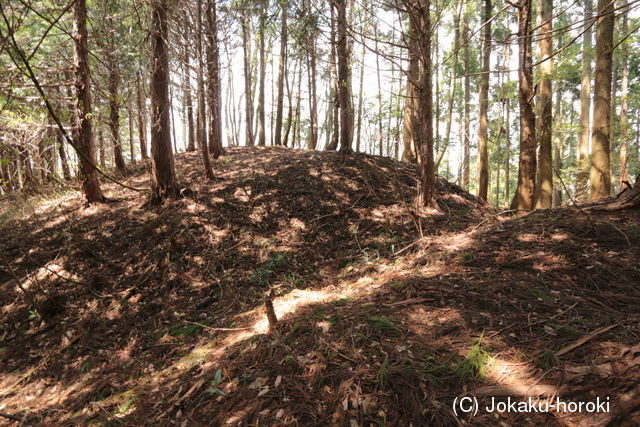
341,212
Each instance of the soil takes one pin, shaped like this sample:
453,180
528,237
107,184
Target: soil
386,316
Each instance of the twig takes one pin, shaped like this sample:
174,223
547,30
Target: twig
554,316
565,188
584,339
621,232
216,329
415,242
11,417
17,280
338,353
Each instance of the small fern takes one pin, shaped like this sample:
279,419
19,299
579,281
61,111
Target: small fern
549,359
383,324
476,364
437,374
383,373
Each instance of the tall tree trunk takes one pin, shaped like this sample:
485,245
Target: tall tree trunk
544,178
296,122
380,137
436,90
201,115
66,172
585,104
334,104
399,117
410,127
6,181
27,168
131,143
142,109
290,108
186,86
163,182
557,158
360,105
507,152
282,66
83,133
344,78
263,63
313,101
114,115
272,62
248,97
172,120
467,101
17,162
420,19
483,101
600,179
525,190
624,105
102,157
213,70
612,117
391,110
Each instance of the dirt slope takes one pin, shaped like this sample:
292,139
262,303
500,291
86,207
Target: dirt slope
156,316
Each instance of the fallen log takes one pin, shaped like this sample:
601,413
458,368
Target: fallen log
626,199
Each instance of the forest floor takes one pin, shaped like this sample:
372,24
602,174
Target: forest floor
155,316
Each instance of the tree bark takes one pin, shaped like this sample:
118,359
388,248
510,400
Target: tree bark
410,113
420,18
624,105
313,101
114,115
360,103
483,101
213,69
261,47
141,117
132,152
66,172
186,85
281,72
612,118
344,78
163,182
248,97
600,179
101,147
334,105
296,121
559,147
83,129
544,179
201,115
507,152
585,104
525,190
467,101
380,138
290,108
